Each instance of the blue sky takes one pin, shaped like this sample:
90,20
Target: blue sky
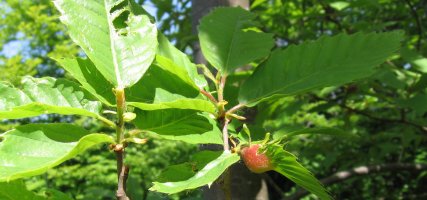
15,47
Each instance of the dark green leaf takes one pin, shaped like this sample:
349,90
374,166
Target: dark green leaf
165,100
177,124
325,62
16,190
205,176
184,171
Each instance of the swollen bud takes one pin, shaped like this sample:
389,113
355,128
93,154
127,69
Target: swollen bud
129,116
256,162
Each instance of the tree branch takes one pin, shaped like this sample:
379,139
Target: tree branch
122,170
363,170
400,121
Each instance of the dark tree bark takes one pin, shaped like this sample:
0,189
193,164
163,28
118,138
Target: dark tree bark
244,184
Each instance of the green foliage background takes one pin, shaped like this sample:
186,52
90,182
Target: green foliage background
386,111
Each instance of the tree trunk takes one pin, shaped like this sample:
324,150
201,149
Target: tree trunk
244,184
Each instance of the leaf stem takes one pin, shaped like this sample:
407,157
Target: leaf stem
107,121
235,108
122,170
208,95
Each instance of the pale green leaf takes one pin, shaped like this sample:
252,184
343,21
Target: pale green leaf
339,5
325,62
32,149
116,35
205,176
165,100
226,41
286,164
84,71
177,124
45,95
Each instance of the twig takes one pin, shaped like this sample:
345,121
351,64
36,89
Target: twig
363,170
235,108
225,134
208,95
417,21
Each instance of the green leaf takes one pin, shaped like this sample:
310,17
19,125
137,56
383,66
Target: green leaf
165,100
84,71
170,57
32,149
325,62
286,164
16,190
45,95
227,42
205,176
317,130
116,35
177,124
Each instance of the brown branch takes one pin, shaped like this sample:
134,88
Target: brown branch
363,170
123,172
